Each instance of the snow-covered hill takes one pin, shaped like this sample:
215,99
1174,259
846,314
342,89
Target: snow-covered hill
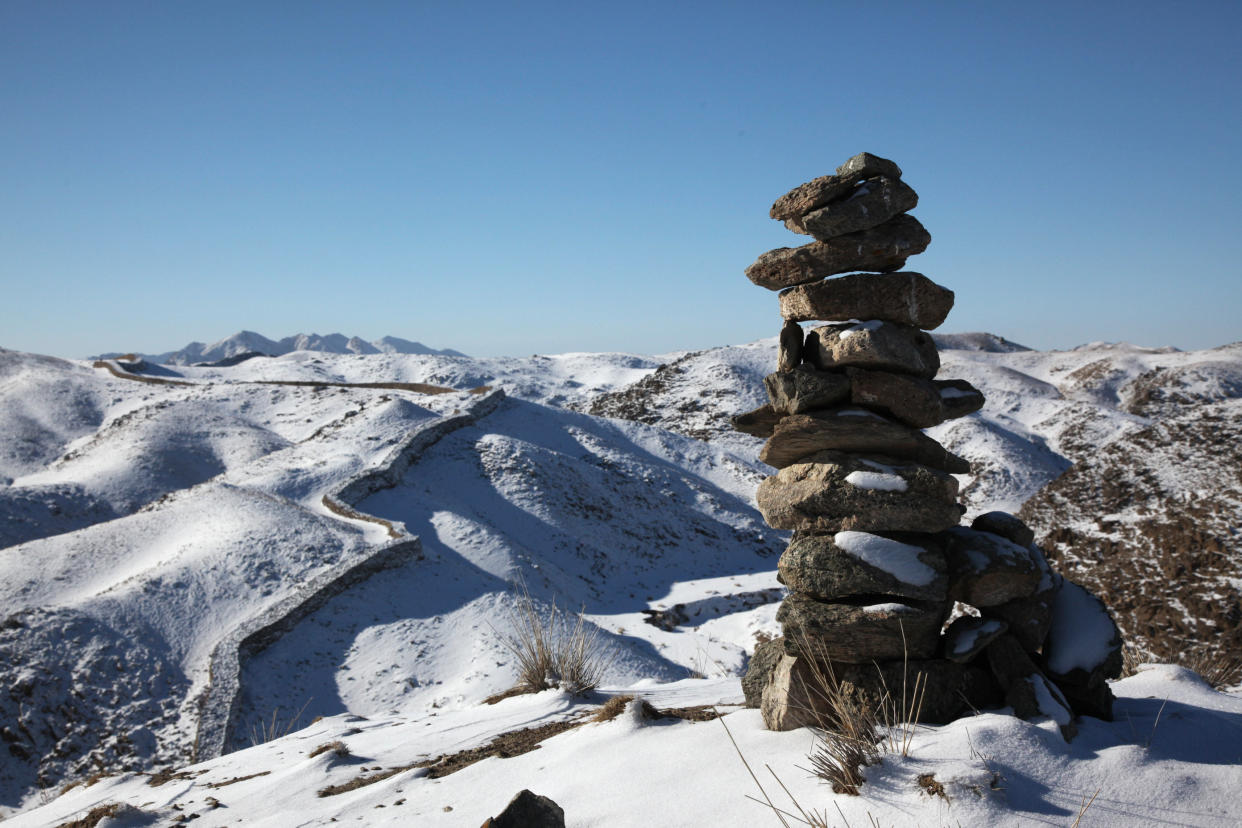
178,562
245,344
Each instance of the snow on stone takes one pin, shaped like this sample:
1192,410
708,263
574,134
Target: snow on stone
900,560
1049,699
860,412
952,393
876,481
1081,634
889,607
966,641
860,327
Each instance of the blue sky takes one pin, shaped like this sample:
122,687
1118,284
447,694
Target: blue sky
508,178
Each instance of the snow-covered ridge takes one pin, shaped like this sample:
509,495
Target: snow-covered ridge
245,343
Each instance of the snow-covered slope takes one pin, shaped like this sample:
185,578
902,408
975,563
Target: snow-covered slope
170,570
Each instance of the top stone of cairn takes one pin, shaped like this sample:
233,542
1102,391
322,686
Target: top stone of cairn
820,191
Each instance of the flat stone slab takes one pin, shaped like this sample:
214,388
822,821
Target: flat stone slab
986,570
882,248
858,431
1006,525
853,564
861,633
834,492
1029,619
958,398
904,297
1027,690
874,344
758,423
759,669
819,191
806,388
873,202
915,401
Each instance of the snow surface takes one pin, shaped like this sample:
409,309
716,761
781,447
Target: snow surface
1171,758
1081,634
876,481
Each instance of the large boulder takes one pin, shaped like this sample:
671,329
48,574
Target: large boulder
860,633
802,691
833,492
1083,649
986,570
853,564
873,344
819,191
882,248
854,430
905,297
872,202
806,388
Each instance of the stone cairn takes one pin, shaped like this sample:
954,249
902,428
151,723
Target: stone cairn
886,588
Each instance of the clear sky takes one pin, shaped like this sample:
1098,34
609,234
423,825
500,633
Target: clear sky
513,178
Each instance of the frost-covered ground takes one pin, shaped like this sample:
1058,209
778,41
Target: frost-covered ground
145,527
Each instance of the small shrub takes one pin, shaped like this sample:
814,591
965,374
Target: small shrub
1218,668
551,651
337,748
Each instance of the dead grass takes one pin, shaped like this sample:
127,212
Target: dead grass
338,748
928,783
268,731
362,781
168,775
236,779
1218,668
612,708
553,651
93,817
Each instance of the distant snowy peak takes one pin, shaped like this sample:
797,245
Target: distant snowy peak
249,343
987,342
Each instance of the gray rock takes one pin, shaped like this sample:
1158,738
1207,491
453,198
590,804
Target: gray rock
967,636
759,670
861,633
958,398
819,191
913,400
858,431
805,388
528,810
758,423
1029,618
986,570
798,694
1083,649
789,346
873,344
834,492
903,566
1006,525
882,248
905,297
873,202
1027,690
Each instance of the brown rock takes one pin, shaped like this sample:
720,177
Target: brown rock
852,564
833,492
758,423
958,398
882,248
905,297
819,191
760,668
873,344
800,688
986,570
789,346
913,400
805,388
854,430
873,202
862,633
967,636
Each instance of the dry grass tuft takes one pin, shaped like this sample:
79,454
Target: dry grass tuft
275,729
94,816
551,651
928,783
611,709
337,748
1218,668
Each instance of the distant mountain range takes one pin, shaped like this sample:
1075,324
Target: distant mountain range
248,343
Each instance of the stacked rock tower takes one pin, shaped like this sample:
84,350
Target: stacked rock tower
885,586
